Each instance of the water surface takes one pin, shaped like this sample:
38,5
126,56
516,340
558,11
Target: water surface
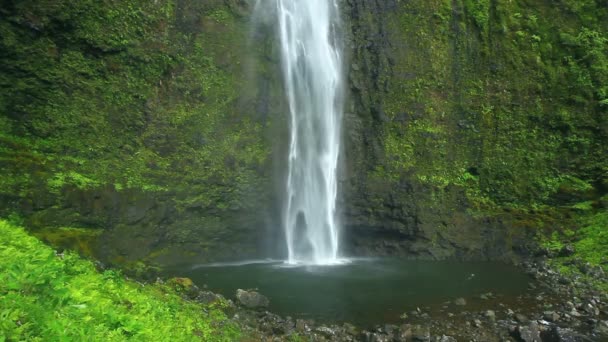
364,292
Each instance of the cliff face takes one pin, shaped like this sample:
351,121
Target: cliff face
472,126
140,119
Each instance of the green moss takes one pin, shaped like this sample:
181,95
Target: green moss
510,92
80,240
47,297
592,239
133,95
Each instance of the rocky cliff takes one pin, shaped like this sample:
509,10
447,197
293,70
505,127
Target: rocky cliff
472,127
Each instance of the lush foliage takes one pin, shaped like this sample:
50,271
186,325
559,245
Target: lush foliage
592,242
46,296
588,241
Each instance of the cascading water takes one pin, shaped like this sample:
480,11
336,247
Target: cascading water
312,68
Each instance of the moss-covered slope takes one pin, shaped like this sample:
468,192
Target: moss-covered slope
45,296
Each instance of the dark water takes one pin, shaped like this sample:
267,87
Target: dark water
364,292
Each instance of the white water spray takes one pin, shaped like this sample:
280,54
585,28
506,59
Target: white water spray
312,69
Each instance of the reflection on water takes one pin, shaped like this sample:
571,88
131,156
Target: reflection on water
364,291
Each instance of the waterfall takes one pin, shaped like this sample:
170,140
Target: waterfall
312,69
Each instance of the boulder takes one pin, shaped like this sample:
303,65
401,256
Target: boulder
251,299
421,334
529,333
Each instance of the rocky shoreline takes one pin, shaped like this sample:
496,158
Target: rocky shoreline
557,308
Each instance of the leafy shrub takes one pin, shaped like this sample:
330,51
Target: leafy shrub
46,296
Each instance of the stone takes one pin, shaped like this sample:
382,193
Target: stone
529,333
405,333
566,251
349,329
302,325
325,331
251,299
421,334
602,328
477,323
184,286
491,315
390,329
591,309
521,318
445,338
460,301
208,297
557,334
551,316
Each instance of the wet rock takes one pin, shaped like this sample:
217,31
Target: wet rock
390,329
575,313
303,325
566,251
208,297
601,329
349,329
529,333
460,302
421,334
557,334
551,316
251,299
521,318
325,332
591,309
404,334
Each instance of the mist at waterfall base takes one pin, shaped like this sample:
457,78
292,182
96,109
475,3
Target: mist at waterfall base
365,291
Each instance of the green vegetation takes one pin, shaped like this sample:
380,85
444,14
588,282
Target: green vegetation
107,103
99,94
587,238
592,240
510,93
46,296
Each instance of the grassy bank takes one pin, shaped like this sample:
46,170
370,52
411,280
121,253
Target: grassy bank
46,296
